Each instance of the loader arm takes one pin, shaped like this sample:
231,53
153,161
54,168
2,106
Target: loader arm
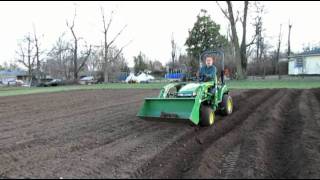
166,89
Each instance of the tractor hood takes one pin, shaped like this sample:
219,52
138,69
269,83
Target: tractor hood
189,89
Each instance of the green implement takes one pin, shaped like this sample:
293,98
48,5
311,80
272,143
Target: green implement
195,101
177,108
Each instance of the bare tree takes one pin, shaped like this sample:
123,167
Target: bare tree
37,54
75,48
260,46
60,59
108,44
84,58
258,30
76,68
26,55
10,65
173,51
95,59
240,50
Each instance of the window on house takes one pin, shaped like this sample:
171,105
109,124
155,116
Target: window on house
299,62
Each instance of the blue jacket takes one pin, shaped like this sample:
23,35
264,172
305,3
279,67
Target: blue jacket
208,73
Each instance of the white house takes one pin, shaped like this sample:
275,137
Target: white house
304,64
12,75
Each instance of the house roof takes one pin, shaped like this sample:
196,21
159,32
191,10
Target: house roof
13,73
292,57
304,55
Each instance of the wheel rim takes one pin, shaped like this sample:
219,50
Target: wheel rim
229,105
211,119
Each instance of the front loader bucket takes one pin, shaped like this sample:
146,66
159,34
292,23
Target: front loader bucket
176,108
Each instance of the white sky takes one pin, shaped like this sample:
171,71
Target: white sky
150,24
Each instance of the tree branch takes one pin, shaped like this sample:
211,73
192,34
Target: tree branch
237,18
121,49
252,41
111,18
103,19
119,33
85,59
223,11
72,26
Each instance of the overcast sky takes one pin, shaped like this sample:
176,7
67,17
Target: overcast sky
149,24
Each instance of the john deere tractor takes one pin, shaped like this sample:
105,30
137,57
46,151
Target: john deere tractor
195,101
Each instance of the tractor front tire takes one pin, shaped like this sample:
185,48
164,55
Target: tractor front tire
226,105
207,116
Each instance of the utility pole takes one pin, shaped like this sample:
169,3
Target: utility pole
289,50
278,52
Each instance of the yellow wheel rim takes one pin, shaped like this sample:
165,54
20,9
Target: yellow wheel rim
229,105
211,118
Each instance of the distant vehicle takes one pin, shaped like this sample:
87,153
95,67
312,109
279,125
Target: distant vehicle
19,82
11,83
53,82
88,80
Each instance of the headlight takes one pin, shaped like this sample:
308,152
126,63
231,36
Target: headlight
194,94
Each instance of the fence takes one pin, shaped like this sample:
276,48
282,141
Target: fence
174,75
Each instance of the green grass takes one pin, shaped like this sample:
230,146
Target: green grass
244,84
12,91
272,84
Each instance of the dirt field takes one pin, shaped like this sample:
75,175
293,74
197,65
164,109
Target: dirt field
95,134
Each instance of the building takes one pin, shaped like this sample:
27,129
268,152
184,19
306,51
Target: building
303,64
12,75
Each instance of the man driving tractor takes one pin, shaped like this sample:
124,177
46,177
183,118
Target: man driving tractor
208,72
196,101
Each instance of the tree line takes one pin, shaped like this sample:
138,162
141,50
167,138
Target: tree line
67,59
243,55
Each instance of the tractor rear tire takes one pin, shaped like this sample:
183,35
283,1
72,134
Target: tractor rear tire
226,105
206,116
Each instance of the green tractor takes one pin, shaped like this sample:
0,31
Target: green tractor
195,101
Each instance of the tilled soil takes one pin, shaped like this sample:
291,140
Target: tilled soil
96,134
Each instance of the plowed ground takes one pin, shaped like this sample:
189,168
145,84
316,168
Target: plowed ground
96,134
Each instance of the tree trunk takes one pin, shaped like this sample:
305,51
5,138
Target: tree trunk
75,59
106,73
37,57
235,42
75,53
106,65
29,60
38,67
243,48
